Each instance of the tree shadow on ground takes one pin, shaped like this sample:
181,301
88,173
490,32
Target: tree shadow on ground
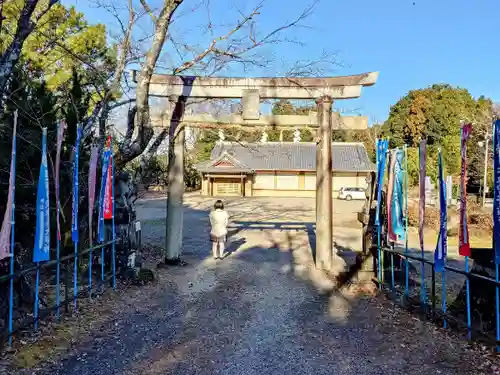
264,309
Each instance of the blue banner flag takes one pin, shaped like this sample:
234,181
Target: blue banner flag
105,163
74,216
41,251
397,196
441,247
496,190
382,146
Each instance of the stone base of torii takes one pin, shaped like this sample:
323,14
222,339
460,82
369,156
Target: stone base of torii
251,90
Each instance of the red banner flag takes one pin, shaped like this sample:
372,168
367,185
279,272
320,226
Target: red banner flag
464,245
108,195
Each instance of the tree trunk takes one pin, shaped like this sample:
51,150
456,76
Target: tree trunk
142,121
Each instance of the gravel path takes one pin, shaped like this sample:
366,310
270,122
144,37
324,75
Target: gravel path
262,310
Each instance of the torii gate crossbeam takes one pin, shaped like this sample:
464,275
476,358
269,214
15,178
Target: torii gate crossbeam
265,121
345,87
251,90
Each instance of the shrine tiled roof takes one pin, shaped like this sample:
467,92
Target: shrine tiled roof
283,156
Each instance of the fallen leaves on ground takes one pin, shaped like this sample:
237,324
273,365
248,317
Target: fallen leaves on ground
445,347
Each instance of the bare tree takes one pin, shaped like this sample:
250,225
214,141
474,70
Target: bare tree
238,43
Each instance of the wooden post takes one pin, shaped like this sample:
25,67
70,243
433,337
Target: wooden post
175,197
324,206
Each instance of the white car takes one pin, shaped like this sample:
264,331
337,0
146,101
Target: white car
350,193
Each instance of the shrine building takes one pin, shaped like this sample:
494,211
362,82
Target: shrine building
282,169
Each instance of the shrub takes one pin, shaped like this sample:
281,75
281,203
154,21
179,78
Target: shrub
482,220
473,203
453,232
477,218
431,218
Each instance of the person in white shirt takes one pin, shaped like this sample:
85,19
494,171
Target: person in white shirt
218,222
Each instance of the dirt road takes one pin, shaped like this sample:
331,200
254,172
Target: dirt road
262,310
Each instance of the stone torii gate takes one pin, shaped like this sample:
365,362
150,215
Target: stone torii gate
251,91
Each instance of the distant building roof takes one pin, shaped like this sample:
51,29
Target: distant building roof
283,156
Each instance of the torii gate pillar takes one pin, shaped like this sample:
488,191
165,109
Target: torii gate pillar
324,205
175,200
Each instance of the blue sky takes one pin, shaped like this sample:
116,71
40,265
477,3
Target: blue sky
412,44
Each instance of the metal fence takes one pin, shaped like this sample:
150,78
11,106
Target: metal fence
427,291
47,290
